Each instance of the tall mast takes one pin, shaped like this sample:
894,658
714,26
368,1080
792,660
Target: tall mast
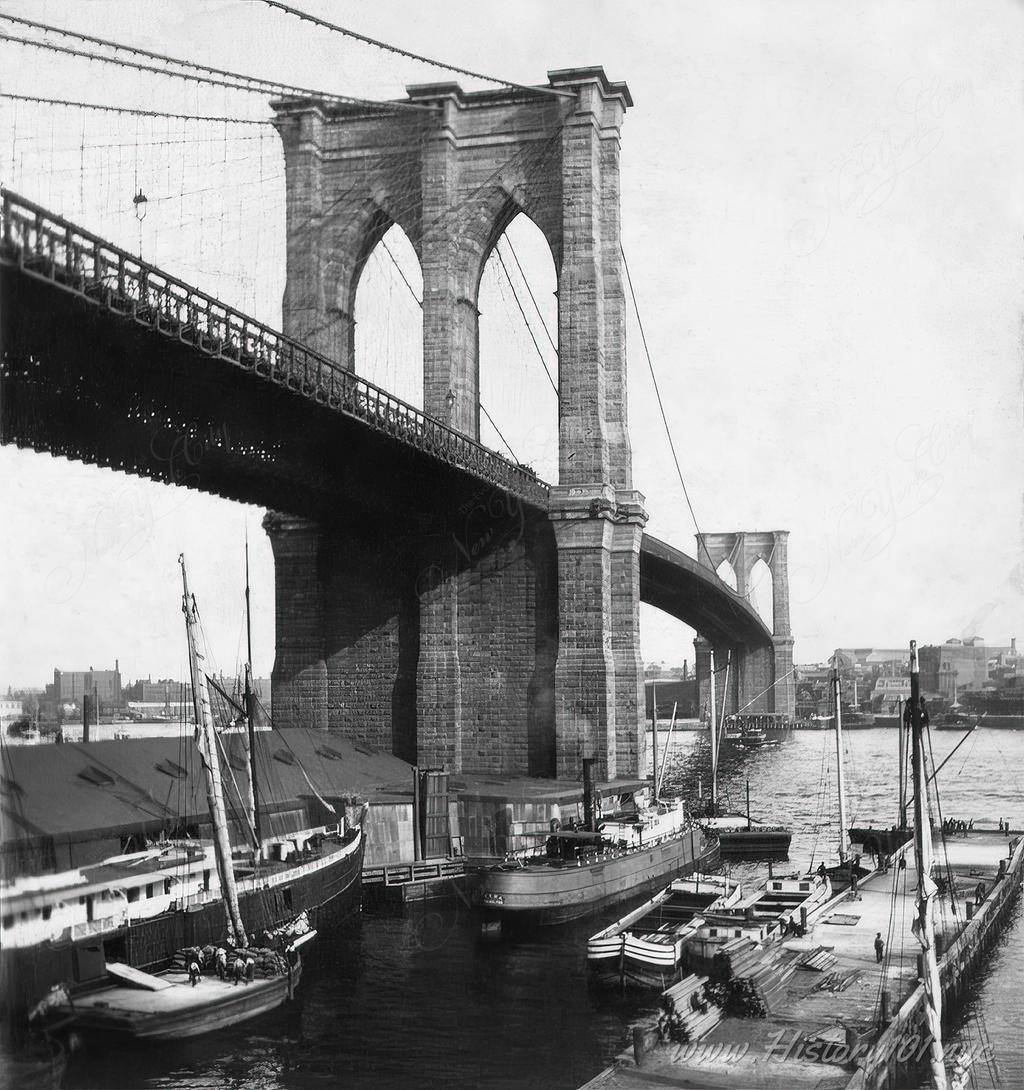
252,800
902,816
211,764
839,763
924,927
719,729
714,740
654,738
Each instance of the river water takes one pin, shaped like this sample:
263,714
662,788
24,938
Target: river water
413,998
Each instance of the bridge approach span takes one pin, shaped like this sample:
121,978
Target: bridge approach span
678,585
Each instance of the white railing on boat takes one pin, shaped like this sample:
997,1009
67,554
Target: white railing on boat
31,932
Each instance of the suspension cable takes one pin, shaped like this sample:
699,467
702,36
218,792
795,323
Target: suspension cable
131,110
216,76
529,328
419,303
766,690
544,324
401,273
307,17
661,407
483,409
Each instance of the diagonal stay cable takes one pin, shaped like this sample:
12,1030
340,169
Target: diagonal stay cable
529,328
544,324
419,303
661,406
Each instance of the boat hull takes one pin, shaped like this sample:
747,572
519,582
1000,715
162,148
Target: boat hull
757,843
132,1016
328,894
646,947
545,894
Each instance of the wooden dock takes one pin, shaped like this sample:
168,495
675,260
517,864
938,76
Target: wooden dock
847,1020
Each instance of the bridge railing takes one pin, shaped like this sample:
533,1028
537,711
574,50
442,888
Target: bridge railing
49,247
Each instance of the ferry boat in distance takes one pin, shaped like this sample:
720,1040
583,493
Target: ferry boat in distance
757,729
619,853
646,946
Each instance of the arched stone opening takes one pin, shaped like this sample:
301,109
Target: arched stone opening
518,355
387,308
761,591
727,573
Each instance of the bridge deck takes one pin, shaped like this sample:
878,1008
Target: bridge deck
112,361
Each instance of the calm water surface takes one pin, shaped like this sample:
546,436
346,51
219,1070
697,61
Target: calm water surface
414,999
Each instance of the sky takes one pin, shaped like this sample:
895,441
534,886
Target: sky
822,211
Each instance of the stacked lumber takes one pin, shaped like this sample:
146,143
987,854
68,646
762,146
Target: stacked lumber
748,969
819,960
687,1014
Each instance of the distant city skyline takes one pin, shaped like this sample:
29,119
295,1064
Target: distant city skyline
155,679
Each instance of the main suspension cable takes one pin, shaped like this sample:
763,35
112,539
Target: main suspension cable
194,71
307,17
137,112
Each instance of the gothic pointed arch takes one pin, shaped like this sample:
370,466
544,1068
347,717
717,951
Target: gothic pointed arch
386,305
727,573
760,590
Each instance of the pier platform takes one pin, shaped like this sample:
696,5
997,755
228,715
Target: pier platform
848,1021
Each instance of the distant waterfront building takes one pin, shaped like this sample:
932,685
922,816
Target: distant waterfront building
887,692
163,691
955,665
10,710
1006,666
69,686
874,661
170,695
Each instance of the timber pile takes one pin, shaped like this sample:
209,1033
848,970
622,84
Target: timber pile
688,1015
743,965
838,981
819,960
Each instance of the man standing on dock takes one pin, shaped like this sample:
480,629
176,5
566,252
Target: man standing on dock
879,946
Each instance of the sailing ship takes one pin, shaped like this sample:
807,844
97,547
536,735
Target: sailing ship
848,870
927,890
137,909
647,946
628,849
739,835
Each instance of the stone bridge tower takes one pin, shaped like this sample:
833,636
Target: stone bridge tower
453,174
762,678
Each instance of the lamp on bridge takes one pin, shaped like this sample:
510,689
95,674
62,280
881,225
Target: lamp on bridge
449,400
140,202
